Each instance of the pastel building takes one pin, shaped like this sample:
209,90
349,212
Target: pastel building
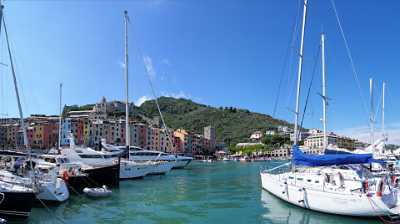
66,129
185,140
210,135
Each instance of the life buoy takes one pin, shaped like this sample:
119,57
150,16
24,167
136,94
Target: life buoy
65,175
365,186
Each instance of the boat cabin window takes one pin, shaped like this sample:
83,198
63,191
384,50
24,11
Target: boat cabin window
308,180
317,181
50,160
78,151
144,154
290,177
300,179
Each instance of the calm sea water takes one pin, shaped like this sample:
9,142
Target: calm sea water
221,192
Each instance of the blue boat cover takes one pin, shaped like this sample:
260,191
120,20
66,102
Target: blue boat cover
300,158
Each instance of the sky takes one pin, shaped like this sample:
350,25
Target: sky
219,53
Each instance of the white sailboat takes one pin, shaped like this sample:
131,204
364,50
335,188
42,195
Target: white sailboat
130,169
46,186
325,183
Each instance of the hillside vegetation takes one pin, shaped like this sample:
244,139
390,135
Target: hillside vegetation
232,125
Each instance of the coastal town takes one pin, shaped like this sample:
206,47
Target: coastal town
89,127
105,121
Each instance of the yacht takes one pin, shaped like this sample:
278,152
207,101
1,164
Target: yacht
71,172
178,161
100,168
133,170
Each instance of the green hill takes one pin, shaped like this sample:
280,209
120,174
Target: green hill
232,125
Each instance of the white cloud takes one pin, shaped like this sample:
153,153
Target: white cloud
178,95
142,99
363,133
149,67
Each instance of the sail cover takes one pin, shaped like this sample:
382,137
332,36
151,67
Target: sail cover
300,158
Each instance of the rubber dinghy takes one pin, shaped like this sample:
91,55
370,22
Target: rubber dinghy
97,192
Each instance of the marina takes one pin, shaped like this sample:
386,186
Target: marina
197,194
165,158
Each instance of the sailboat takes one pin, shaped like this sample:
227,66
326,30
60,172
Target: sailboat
42,177
330,183
16,198
129,169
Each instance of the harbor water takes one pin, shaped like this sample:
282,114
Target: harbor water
218,192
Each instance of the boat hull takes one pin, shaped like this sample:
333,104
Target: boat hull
16,204
132,170
180,164
53,192
107,175
76,184
356,204
161,168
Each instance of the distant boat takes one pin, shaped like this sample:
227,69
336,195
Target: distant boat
177,161
244,159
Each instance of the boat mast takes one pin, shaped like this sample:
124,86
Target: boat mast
324,98
21,116
127,131
371,116
300,68
60,119
383,111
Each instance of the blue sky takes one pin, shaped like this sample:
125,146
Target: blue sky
221,53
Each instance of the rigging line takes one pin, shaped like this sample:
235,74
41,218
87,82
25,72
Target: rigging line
141,57
157,104
290,79
286,62
355,74
309,88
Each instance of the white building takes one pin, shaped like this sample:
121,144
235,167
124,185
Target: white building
256,136
316,141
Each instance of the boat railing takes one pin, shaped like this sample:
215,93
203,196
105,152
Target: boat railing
278,169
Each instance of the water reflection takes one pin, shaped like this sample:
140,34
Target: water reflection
278,211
